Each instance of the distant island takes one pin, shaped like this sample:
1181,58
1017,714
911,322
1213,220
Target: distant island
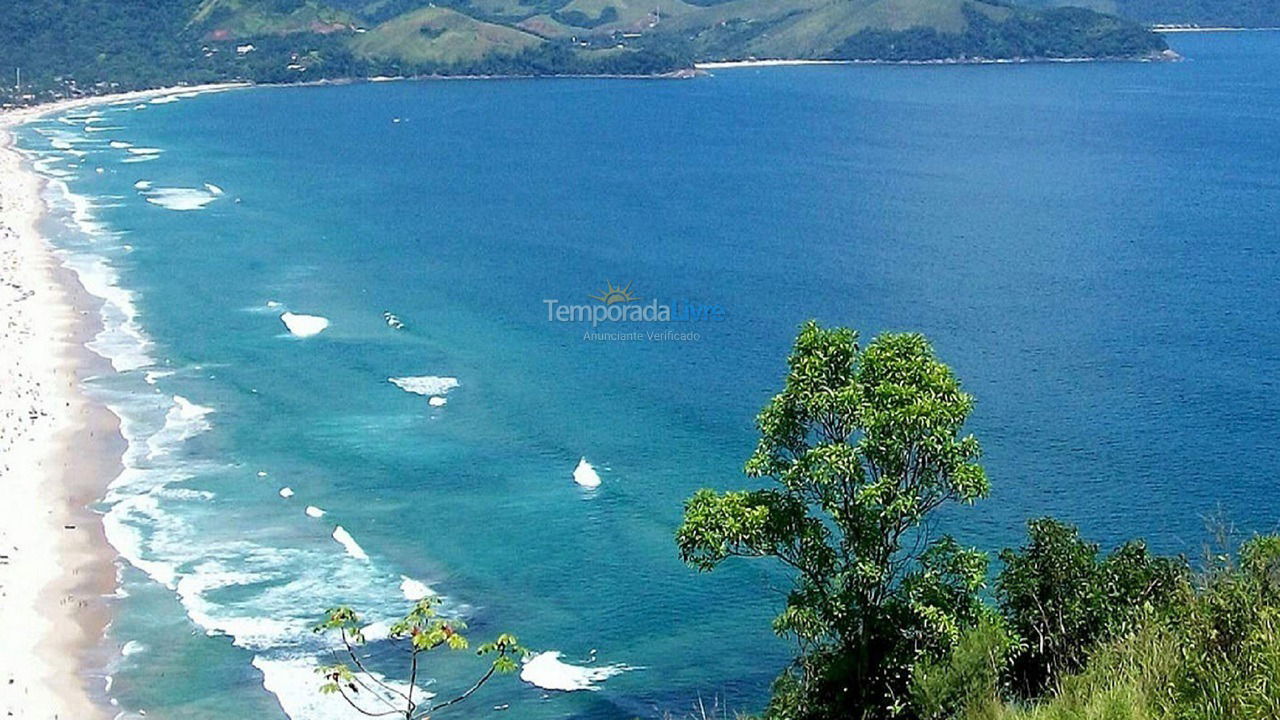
58,48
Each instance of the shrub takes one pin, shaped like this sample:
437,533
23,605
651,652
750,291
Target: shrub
970,676
1062,600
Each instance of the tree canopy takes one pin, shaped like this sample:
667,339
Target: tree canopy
862,447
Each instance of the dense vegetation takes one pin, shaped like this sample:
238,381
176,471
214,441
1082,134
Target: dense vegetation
1205,13
1054,33
862,446
75,47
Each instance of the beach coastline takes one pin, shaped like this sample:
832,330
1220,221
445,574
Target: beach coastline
57,566
59,451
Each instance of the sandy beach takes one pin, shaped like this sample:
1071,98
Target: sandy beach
58,452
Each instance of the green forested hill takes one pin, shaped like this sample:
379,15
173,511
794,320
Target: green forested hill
1205,13
92,46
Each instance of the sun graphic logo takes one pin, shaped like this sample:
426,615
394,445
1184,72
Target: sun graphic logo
612,295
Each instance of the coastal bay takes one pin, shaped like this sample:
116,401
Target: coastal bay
1026,206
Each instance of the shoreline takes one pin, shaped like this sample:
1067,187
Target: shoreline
1179,29
1165,56
18,115
58,568
59,450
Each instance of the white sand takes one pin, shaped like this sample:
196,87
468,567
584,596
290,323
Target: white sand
34,320
53,558
765,63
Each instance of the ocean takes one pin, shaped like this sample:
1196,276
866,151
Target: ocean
1092,247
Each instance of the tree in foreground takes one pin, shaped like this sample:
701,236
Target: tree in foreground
863,447
421,631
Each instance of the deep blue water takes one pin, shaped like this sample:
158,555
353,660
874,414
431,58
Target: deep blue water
1090,246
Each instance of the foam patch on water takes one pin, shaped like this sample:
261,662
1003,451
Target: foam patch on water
585,474
181,199
300,325
547,671
144,151
315,512
295,683
349,543
414,590
133,647
151,376
209,577
120,144
184,420
184,494
425,384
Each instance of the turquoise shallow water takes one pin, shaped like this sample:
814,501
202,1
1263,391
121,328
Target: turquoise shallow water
1092,247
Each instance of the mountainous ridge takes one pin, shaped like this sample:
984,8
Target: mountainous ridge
68,47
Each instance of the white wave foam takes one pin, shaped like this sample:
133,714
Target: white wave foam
227,582
315,512
120,144
164,100
304,325
213,188
286,493
414,590
353,548
133,647
191,412
184,494
254,631
151,376
547,671
297,686
425,384
143,185
123,525
144,151
437,401
184,420
182,199
121,340
585,475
